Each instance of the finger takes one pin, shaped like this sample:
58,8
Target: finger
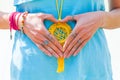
54,41
78,28
46,42
75,41
51,38
66,19
68,40
36,37
37,41
51,43
67,43
71,37
75,47
71,46
56,50
44,35
41,47
44,50
80,31
81,46
51,51
51,18
47,17
55,45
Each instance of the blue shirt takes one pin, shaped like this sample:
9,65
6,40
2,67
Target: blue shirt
30,63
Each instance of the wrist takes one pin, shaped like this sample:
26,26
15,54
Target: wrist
102,18
105,19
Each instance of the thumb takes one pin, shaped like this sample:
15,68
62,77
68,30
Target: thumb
44,16
50,17
67,18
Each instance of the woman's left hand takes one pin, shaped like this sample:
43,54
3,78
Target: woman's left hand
86,25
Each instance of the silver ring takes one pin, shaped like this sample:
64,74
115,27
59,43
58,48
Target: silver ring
79,41
72,18
74,35
50,36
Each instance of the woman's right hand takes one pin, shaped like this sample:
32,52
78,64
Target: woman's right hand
35,29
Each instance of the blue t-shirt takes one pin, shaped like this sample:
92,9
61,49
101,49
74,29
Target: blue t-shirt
30,63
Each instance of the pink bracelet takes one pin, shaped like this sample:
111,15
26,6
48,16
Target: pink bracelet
13,23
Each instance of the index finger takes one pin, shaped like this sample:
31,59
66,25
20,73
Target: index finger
54,41
68,40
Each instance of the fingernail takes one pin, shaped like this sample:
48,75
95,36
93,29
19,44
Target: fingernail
60,20
74,54
64,55
63,49
67,57
49,55
57,56
61,55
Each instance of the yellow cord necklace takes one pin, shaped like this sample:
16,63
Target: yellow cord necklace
60,30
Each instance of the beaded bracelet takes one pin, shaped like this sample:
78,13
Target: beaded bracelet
24,15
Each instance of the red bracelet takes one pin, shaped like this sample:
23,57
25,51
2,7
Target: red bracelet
13,23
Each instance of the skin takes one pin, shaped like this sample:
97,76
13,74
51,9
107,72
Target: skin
86,26
36,31
34,28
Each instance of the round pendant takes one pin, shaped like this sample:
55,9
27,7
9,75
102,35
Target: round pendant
60,30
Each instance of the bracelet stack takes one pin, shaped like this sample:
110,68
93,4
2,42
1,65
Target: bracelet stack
14,19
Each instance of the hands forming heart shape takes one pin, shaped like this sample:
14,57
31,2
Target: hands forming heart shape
86,25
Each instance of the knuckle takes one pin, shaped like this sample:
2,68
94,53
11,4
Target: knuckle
68,49
50,15
40,14
68,17
36,34
73,50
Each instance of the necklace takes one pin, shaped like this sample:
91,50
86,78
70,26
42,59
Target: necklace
61,31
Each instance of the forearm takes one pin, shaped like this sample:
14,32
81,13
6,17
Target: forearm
4,20
112,19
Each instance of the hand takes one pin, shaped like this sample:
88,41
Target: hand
35,29
86,25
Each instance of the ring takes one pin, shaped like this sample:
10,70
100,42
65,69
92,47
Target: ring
46,42
74,35
50,37
72,17
79,41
